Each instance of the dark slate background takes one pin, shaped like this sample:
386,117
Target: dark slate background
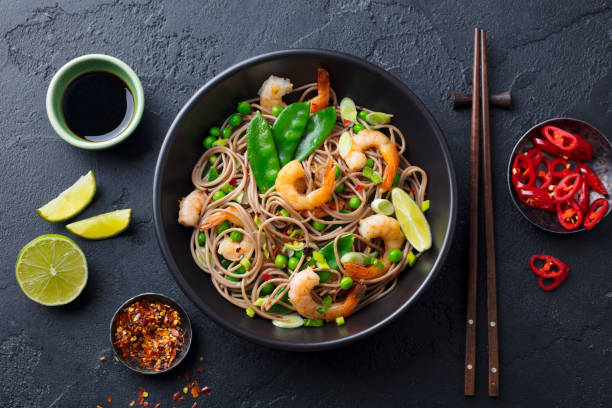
555,58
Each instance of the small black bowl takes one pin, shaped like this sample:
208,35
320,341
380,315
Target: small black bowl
131,362
601,163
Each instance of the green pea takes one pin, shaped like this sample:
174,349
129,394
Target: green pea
212,159
235,120
358,128
293,263
267,288
280,261
277,109
319,226
369,163
354,202
222,227
396,179
284,213
218,195
363,115
338,172
227,132
201,238
236,236
208,142
298,254
214,131
339,188
346,282
244,107
395,255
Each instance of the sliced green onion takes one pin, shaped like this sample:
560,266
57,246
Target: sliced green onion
250,312
228,188
382,206
257,221
327,301
220,142
313,322
358,258
246,263
372,175
291,321
212,159
425,205
348,110
260,301
378,118
370,162
284,213
295,246
320,260
344,144
295,233
340,320
411,258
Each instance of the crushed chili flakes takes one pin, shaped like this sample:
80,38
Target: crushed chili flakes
102,358
150,331
195,389
205,390
132,403
176,396
158,405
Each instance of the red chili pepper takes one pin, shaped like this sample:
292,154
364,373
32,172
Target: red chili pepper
544,175
584,151
265,276
535,197
583,197
590,177
567,187
548,147
358,187
535,155
563,166
569,215
232,181
523,171
552,268
596,212
564,140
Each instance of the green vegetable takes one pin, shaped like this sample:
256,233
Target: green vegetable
201,238
313,322
293,263
280,261
382,206
296,232
346,282
358,258
277,109
411,258
222,227
276,308
288,129
218,195
340,320
284,213
395,255
213,159
317,129
327,301
262,153
228,188
250,312
234,120
214,131
345,244
236,236
244,107
267,288
348,111
374,176
295,246
246,263
298,254
220,142
260,301
370,162
213,174
319,258
425,205
358,128
338,172
396,179
363,115
291,321
319,226
345,211
226,133
354,202
339,188
208,142
378,118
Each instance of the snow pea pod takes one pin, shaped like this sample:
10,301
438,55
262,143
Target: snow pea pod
263,156
345,244
288,129
317,129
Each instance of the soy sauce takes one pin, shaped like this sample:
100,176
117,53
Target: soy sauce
97,106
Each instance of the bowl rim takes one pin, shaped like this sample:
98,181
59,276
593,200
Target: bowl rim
161,162
509,172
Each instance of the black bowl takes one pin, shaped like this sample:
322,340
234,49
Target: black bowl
601,163
350,76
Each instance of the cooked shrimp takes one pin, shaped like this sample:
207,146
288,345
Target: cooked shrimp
322,99
190,207
377,226
229,249
356,159
230,214
272,91
292,173
300,289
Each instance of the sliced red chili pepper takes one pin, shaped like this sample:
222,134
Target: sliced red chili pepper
358,187
265,276
535,197
557,280
567,187
523,171
564,140
583,197
596,212
590,177
551,266
559,168
584,150
535,155
544,174
548,147
569,215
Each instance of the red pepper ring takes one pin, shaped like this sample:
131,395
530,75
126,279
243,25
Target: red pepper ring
535,197
565,168
535,155
552,267
557,280
596,212
584,150
569,215
582,198
562,139
567,187
548,147
523,171
591,178
544,175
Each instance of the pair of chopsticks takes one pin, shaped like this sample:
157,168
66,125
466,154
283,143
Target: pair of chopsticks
480,116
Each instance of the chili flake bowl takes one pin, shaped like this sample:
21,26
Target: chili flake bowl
601,163
132,362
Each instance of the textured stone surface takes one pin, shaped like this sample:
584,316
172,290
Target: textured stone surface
555,347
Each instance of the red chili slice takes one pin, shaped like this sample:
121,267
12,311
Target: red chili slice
523,171
567,187
582,198
560,168
551,266
548,147
535,197
562,139
535,155
556,281
569,215
590,177
584,150
545,174
596,212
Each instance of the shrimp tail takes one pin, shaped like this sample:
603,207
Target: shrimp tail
349,304
321,101
363,272
330,175
388,177
212,220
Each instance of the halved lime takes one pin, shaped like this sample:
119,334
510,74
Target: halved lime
378,118
51,270
348,110
71,201
344,144
412,220
102,226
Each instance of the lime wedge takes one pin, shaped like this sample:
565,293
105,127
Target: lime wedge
102,226
71,201
344,144
378,118
411,219
382,206
51,270
293,321
348,110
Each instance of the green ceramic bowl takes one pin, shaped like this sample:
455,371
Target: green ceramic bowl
80,66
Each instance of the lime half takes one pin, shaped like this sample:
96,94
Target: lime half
344,144
71,201
51,270
378,118
348,110
102,226
412,220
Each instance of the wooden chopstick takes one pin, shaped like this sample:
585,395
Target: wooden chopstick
489,227
470,321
